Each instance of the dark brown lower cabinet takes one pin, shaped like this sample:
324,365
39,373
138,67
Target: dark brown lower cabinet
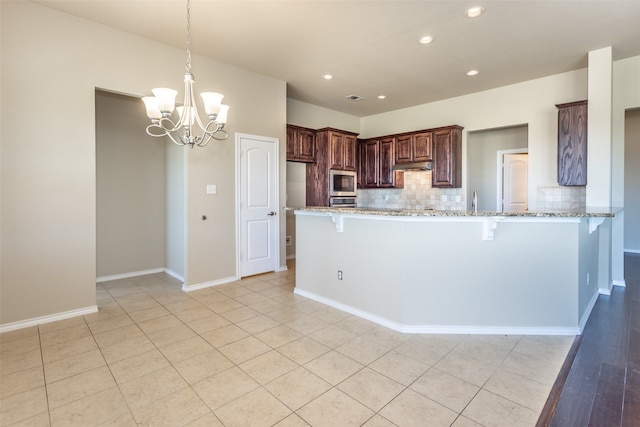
376,164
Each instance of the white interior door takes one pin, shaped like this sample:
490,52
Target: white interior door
515,182
258,204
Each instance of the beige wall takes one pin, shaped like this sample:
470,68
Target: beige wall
130,189
51,65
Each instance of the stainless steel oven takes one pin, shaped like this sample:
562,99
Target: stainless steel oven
342,202
342,183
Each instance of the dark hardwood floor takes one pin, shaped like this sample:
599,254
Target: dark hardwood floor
602,387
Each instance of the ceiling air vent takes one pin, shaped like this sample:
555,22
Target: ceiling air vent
353,97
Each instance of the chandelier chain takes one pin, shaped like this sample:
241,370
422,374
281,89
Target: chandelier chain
188,65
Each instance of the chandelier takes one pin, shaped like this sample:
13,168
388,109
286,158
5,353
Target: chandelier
182,132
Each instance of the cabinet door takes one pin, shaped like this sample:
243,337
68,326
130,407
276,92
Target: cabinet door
422,147
572,144
386,173
336,151
306,145
447,159
370,163
403,149
292,152
349,144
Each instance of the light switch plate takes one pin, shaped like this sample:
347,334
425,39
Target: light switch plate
211,189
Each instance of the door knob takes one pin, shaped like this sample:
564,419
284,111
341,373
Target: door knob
272,213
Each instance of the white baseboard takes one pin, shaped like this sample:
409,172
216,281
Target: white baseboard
197,286
282,268
174,274
619,283
587,312
129,275
291,256
633,251
48,319
440,329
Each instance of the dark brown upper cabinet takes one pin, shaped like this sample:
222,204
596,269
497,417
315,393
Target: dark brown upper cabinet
447,157
413,147
300,144
572,143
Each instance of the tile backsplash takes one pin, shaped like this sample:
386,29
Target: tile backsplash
560,198
416,194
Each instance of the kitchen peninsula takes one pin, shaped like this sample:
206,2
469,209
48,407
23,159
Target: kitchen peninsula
425,271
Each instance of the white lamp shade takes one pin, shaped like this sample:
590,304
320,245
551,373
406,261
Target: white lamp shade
212,102
166,98
151,104
222,114
187,121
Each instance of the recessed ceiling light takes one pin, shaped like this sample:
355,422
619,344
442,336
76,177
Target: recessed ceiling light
474,12
382,96
472,72
425,40
327,77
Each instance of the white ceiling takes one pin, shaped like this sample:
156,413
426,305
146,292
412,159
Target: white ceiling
371,46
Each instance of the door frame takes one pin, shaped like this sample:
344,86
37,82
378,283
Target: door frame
499,166
276,142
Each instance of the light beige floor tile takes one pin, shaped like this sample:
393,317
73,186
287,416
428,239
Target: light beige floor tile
303,350
68,349
291,421
194,313
307,324
159,323
20,381
257,408
330,315
105,312
175,409
144,390
507,342
445,389
131,307
278,336
149,314
209,420
363,350
244,349
224,387
60,336
115,322
378,421
257,324
47,328
7,337
332,336
490,410
371,388
224,335
285,314
251,298
412,409
549,348
185,349
124,420
266,306
138,365
335,408
483,351
225,305
79,386
125,349
40,420
181,305
20,346
333,367
204,365
356,325
268,366
466,367
118,335
207,324
92,410
297,388
23,405
465,422
20,362
164,337
73,365
240,314
275,292
532,368
399,367
519,389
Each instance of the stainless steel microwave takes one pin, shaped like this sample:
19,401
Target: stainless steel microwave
342,183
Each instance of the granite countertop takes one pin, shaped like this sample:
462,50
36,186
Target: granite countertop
589,212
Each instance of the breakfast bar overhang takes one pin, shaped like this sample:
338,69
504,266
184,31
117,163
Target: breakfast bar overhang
423,271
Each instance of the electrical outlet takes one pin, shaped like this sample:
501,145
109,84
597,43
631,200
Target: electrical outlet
339,274
288,240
